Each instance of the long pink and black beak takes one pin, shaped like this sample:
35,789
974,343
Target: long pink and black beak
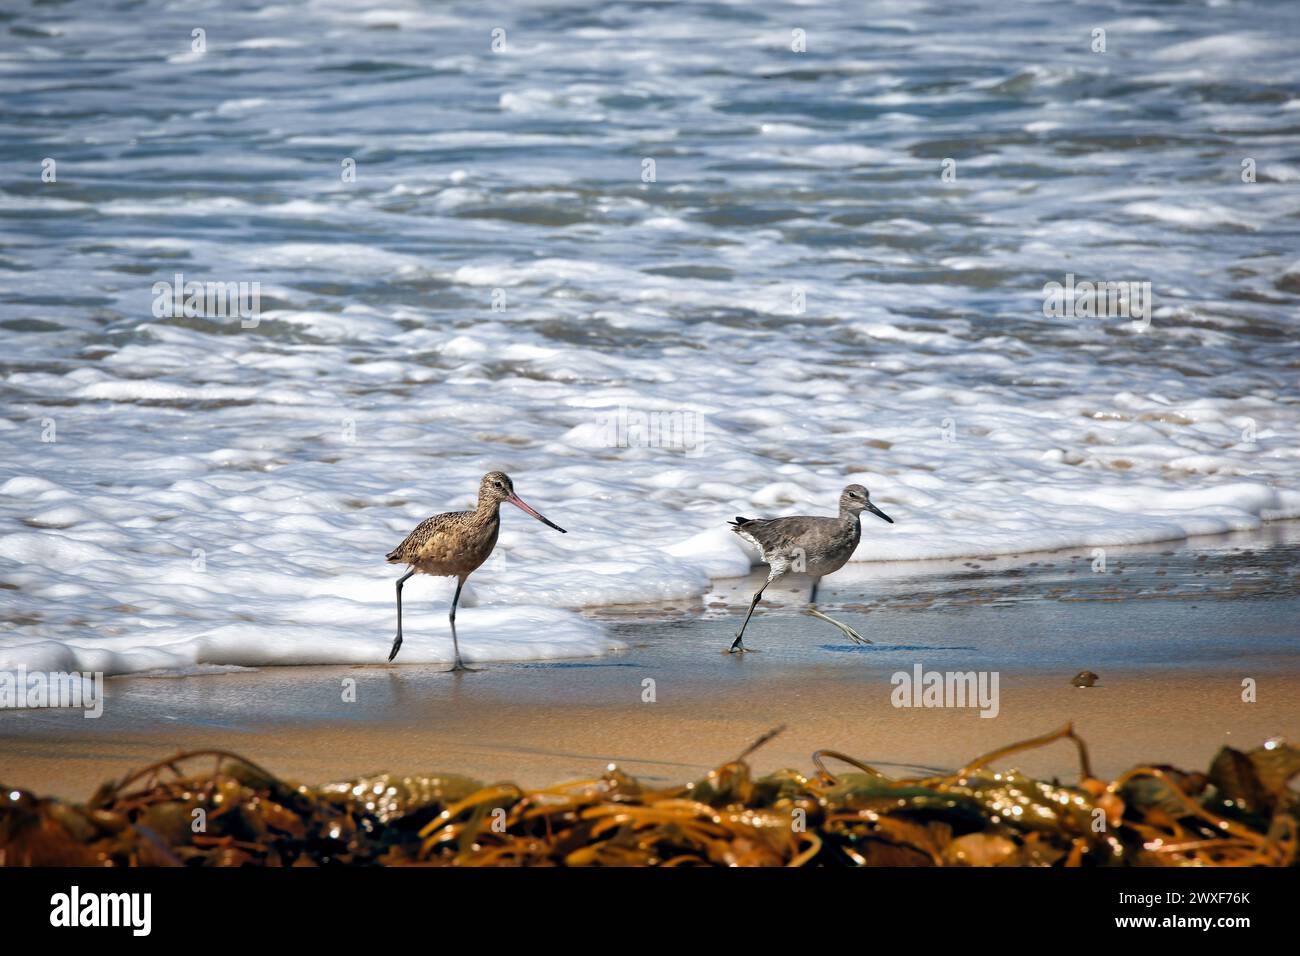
519,503
875,511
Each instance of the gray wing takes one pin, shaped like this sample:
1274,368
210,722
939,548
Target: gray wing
786,536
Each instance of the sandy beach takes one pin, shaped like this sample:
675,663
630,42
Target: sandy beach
351,342
1172,630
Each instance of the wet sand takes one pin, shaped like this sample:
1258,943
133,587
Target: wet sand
499,732
1173,631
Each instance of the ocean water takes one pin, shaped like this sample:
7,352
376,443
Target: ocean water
651,260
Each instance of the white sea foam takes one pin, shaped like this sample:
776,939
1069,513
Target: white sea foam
796,291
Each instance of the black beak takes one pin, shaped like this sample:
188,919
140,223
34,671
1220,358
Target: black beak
878,513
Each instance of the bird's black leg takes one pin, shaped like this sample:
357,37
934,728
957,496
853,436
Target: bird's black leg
397,644
737,645
459,665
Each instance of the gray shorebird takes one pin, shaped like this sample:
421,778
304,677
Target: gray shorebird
815,546
453,545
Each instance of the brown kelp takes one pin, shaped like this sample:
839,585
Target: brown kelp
213,808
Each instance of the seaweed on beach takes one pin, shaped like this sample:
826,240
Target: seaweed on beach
215,808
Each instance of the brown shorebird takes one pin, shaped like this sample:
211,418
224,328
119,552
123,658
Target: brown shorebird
453,545
813,546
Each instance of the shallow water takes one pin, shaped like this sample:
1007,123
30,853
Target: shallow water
1171,661
222,495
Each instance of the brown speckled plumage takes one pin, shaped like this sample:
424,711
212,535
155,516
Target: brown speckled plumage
455,544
